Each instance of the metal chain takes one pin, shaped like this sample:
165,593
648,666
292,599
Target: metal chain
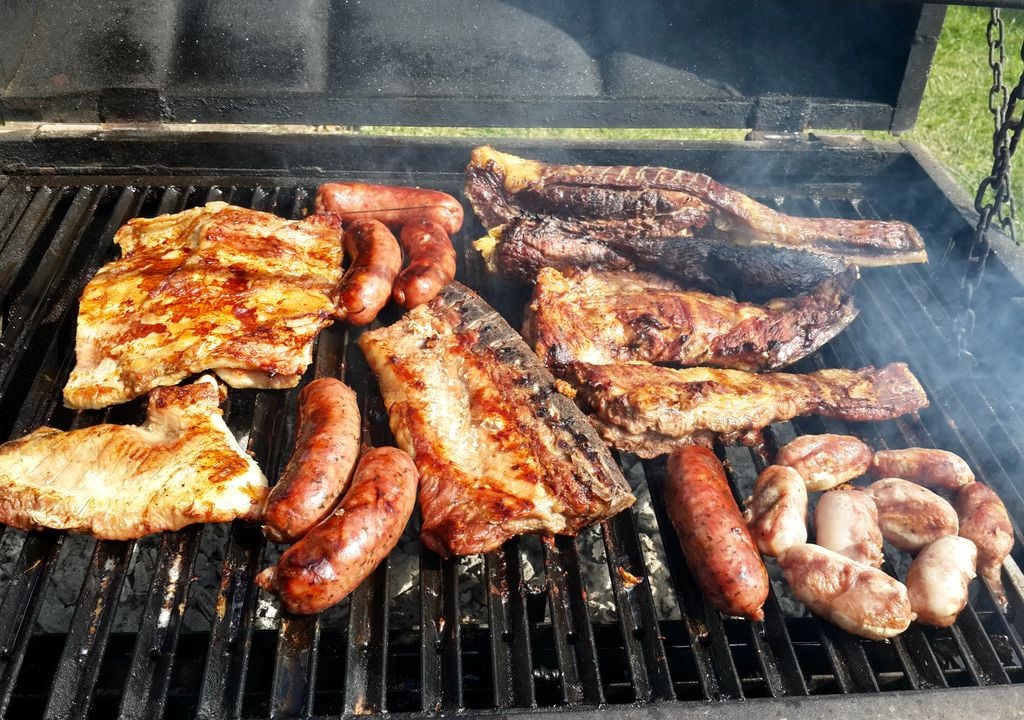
993,201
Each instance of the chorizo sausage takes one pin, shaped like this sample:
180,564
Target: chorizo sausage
924,466
319,470
336,556
715,539
392,205
376,262
430,263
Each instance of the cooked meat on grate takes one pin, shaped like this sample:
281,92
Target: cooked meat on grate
647,409
755,273
938,579
777,510
118,482
846,522
985,522
860,599
222,288
499,451
609,317
925,466
630,202
911,516
827,460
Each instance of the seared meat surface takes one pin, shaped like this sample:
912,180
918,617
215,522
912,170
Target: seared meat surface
608,317
648,410
616,203
118,482
222,288
499,451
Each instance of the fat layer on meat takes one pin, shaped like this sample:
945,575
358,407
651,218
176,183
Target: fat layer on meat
223,288
499,451
118,482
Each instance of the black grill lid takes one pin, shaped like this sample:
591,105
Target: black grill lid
771,64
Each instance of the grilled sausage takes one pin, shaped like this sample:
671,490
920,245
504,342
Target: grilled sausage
430,263
332,560
985,522
938,578
924,466
825,461
777,510
318,472
714,537
911,516
846,522
376,261
394,206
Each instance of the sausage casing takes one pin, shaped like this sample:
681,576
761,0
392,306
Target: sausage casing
376,262
715,539
924,466
430,263
332,560
825,461
319,470
390,204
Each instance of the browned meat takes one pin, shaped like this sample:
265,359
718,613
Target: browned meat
911,516
393,205
608,317
218,287
938,579
499,451
715,539
755,273
858,598
663,201
985,522
825,461
925,466
648,409
777,510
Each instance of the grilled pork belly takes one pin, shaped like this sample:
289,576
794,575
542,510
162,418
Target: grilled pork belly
222,288
662,202
499,451
118,482
608,317
648,410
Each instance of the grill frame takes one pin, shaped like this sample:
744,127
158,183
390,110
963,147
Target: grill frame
510,638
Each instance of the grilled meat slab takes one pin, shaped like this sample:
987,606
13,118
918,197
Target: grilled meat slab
648,410
118,482
654,201
608,317
499,451
222,288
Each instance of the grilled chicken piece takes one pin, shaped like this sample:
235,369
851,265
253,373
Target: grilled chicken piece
938,579
222,288
985,522
924,466
608,317
825,461
499,451
862,600
777,510
911,516
655,201
846,522
755,273
118,482
646,409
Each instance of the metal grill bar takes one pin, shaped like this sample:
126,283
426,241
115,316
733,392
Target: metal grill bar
511,663
440,630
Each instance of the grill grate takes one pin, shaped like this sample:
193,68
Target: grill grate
536,639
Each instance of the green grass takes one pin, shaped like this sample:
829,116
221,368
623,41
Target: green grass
954,121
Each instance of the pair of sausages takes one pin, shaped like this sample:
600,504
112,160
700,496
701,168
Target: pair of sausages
424,220
337,544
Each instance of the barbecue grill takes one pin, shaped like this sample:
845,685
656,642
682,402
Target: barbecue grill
174,626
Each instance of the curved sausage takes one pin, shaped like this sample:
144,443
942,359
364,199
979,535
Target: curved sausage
985,522
777,510
924,466
846,522
392,205
714,537
825,461
376,261
911,516
318,472
938,579
332,560
430,263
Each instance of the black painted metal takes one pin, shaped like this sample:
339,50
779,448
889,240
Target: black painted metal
541,646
